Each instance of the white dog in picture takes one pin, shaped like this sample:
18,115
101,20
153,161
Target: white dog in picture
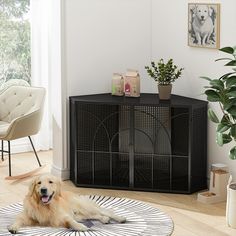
202,24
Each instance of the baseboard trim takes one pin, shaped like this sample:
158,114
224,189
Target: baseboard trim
63,174
18,146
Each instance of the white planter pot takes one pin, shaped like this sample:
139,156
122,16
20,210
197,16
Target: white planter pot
231,204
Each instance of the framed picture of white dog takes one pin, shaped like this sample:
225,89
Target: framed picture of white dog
204,25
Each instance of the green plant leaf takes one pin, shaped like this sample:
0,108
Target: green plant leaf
232,92
218,84
223,91
212,95
232,153
232,110
228,50
206,78
222,128
222,139
233,131
225,120
231,63
164,73
228,104
212,116
223,59
219,139
231,81
226,138
225,76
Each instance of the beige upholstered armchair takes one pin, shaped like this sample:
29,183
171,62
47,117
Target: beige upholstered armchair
21,110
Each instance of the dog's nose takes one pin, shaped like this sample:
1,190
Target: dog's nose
43,190
202,17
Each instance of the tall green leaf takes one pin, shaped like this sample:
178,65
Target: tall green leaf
229,103
223,59
222,139
222,127
233,131
212,116
225,120
212,95
225,76
231,63
232,110
218,84
232,153
228,50
231,92
219,139
231,81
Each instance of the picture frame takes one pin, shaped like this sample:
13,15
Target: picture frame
204,25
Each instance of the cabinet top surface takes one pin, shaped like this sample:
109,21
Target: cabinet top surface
144,99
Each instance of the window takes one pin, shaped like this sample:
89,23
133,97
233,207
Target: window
15,55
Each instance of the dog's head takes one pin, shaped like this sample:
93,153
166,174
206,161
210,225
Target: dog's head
202,12
45,188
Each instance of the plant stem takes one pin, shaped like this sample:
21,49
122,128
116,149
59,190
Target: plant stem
225,114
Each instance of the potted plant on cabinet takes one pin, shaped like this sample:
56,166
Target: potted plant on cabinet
164,74
223,91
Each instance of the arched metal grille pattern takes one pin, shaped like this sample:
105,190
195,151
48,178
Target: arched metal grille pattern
138,144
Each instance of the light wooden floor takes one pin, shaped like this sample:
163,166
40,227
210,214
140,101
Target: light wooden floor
190,217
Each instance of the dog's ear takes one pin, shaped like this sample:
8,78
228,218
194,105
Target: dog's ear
32,186
58,193
210,10
195,10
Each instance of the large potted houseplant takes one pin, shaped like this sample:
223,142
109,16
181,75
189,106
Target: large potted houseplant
164,74
223,91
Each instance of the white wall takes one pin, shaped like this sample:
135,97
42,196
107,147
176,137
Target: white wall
106,36
103,37
169,39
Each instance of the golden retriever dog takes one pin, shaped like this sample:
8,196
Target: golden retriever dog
46,205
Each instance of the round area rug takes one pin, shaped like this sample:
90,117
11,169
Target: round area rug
142,219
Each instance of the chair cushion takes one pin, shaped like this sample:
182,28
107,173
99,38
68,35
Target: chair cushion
3,128
21,110
18,101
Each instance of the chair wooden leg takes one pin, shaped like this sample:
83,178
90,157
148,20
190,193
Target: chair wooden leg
2,151
34,151
9,154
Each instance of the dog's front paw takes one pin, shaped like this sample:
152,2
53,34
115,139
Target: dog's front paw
83,228
13,229
105,219
121,219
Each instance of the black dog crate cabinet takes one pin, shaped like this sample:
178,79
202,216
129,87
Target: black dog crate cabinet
138,143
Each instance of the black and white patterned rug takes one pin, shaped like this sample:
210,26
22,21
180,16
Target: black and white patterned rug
142,219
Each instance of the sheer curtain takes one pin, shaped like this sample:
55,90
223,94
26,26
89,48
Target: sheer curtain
40,25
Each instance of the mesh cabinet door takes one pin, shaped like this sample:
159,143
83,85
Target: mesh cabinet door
152,147
96,125
180,148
